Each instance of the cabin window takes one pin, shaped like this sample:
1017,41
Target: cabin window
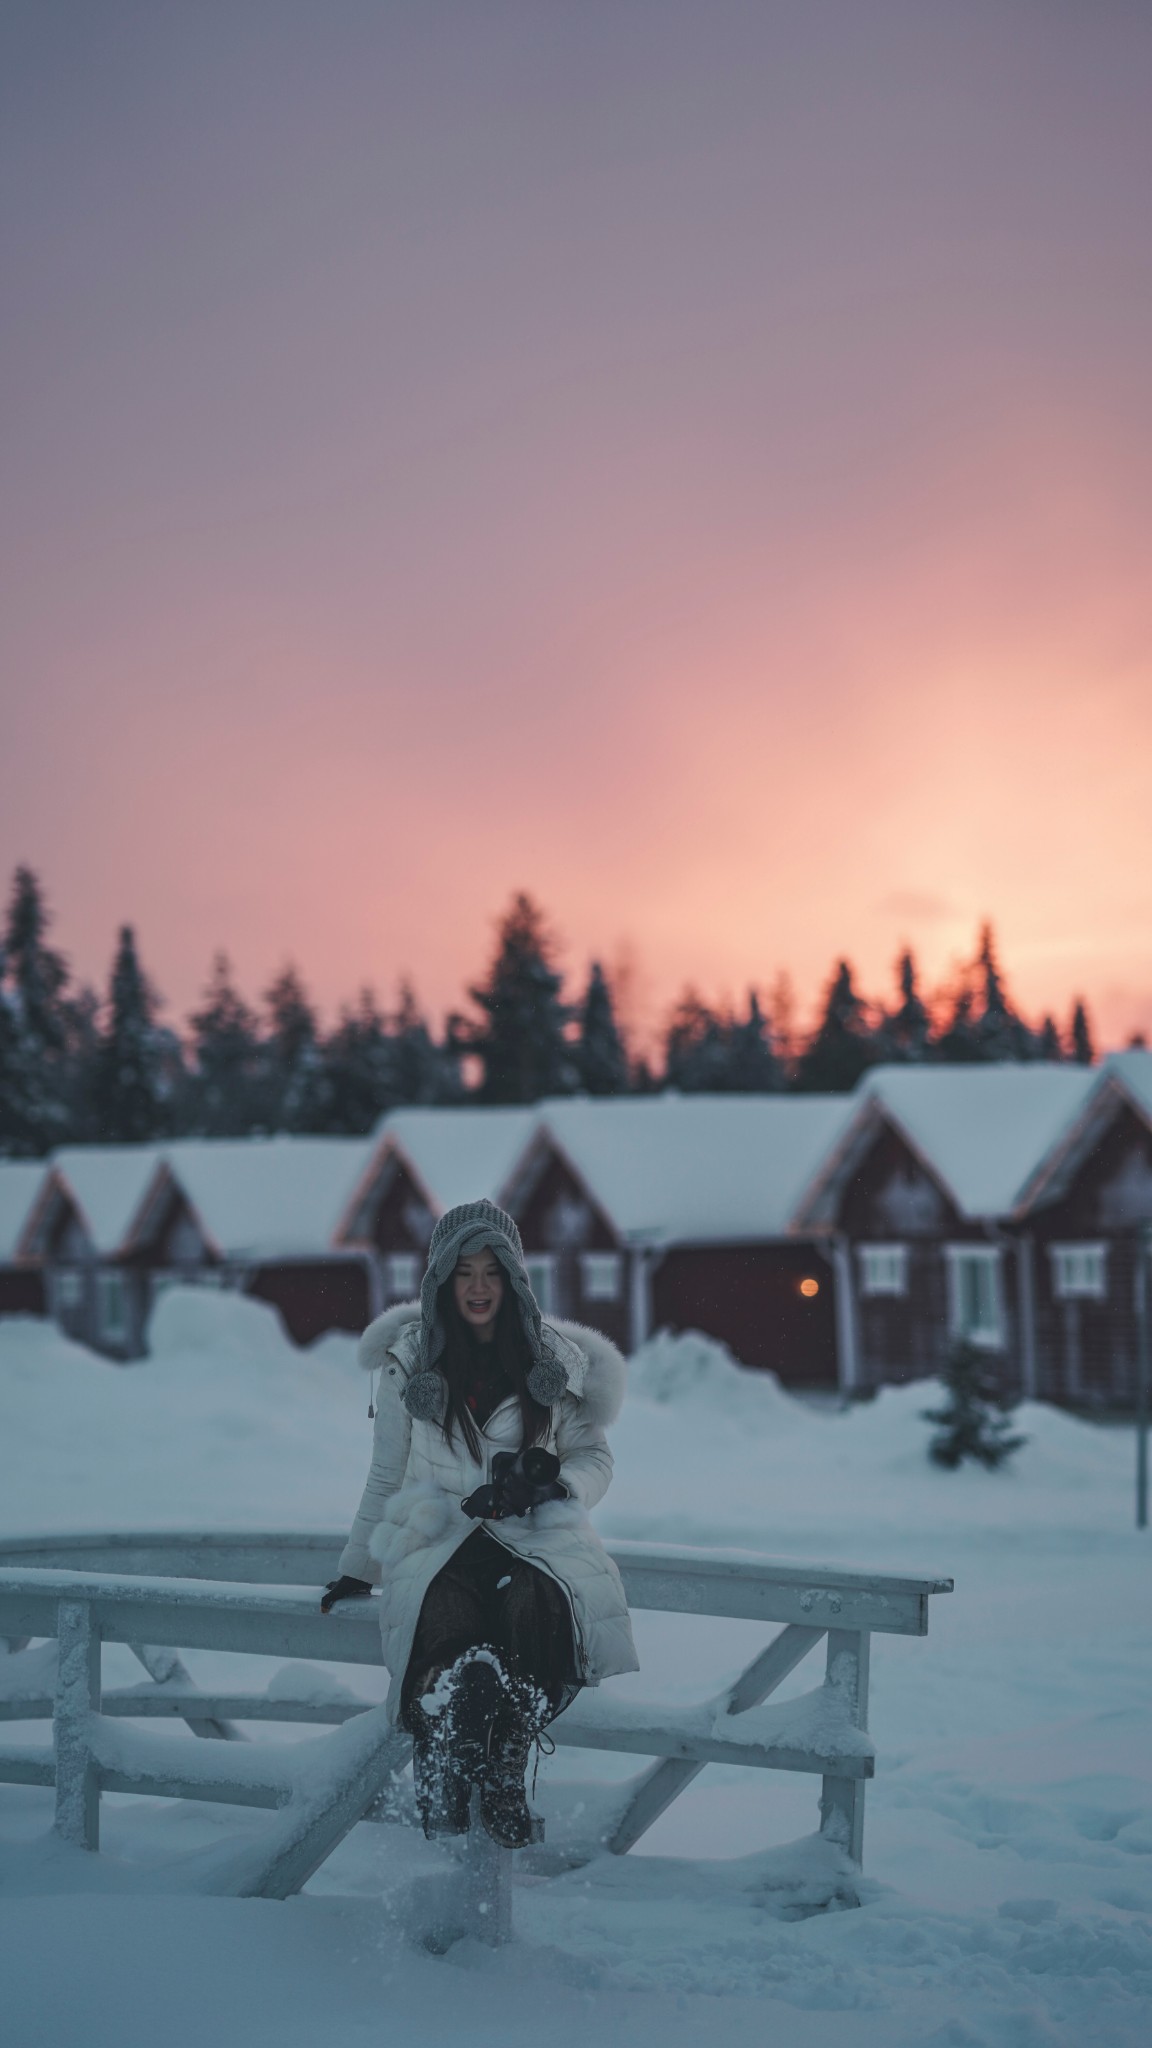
1079,1272
883,1268
402,1275
111,1307
541,1278
68,1288
974,1306
600,1274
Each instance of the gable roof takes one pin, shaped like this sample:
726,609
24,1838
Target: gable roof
456,1153
1124,1078
20,1183
111,1186
1132,1073
279,1197
981,1131
696,1169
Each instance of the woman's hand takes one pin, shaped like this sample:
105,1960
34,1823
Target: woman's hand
342,1589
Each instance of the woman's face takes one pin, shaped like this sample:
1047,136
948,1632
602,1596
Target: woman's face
478,1285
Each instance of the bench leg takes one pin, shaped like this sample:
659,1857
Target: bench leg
842,1799
666,1780
77,1700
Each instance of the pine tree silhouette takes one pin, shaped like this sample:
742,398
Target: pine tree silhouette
842,1046
752,1066
1081,1037
128,1102
601,1060
906,1034
521,1043
295,1084
36,1027
424,1071
695,1047
225,1083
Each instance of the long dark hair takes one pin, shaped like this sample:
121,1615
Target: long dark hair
510,1354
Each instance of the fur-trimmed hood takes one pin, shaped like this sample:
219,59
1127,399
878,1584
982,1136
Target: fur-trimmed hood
595,1372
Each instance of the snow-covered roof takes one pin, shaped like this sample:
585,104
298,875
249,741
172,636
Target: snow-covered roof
20,1183
1133,1071
269,1197
109,1184
981,1130
1124,1077
459,1153
695,1169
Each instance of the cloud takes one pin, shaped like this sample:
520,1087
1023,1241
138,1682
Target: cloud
919,905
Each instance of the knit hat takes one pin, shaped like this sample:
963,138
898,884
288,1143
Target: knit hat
475,1227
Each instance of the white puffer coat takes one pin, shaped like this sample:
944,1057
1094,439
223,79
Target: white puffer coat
410,1519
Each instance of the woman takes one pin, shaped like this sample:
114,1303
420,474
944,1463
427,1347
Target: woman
498,1600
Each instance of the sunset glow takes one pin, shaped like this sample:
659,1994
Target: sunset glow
692,464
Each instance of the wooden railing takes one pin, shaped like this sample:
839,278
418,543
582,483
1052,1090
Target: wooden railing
257,1594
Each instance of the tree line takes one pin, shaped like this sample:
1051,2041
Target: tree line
79,1068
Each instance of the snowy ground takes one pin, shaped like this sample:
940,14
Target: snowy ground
1008,1898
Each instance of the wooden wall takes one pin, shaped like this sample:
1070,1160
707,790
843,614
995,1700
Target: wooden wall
893,1199
749,1297
1086,1349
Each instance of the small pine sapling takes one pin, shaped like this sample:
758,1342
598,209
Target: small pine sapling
973,1423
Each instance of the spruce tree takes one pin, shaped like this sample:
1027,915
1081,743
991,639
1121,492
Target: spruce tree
13,1119
999,1033
906,1033
1048,1046
958,1044
752,1067
521,1042
1080,1036
695,1047
360,1065
225,1085
295,1085
424,1071
601,1060
128,1083
973,1422
842,1046
34,1112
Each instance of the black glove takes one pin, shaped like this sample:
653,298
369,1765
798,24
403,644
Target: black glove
520,1481
342,1589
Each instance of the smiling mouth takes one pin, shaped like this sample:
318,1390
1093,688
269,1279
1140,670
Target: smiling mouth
479,1307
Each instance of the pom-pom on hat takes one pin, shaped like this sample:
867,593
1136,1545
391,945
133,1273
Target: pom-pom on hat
475,1227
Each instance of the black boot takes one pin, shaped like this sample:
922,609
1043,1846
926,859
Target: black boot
450,1747
504,1807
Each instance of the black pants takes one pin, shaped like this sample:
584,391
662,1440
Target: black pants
486,1595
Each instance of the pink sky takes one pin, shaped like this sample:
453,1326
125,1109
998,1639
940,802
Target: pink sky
691,463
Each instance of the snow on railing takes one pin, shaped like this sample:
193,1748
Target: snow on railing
256,1594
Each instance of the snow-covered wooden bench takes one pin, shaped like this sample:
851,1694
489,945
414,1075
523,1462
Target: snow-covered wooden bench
257,1594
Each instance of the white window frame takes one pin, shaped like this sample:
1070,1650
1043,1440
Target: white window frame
402,1275
987,1334
883,1269
111,1305
601,1276
541,1269
1079,1271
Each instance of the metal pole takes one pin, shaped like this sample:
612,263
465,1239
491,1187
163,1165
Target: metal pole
1143,1373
